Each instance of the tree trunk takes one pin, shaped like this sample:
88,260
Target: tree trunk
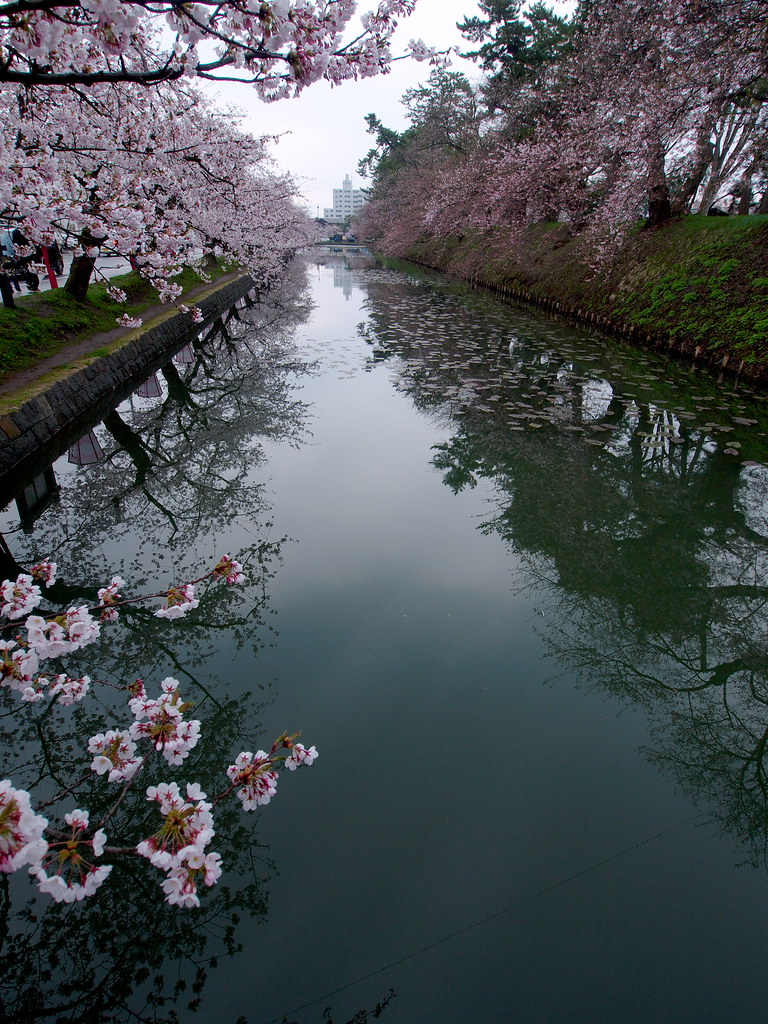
659,210
704,153
82,267
742,199
79,277
131,443
659,204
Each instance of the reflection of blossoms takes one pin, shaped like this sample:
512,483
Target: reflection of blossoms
178,601
75,875
21,830
165,725
300,755
19,596
252,772
109,596
114,754
63,634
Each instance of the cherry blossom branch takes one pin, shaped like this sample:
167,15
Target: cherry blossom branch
64,861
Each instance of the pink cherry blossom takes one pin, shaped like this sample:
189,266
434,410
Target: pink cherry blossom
68,690
63,891
114,752
157,174
165,724
108,596
18,665
126,320
45,570
66,871
228,569
279,47
187,823
62,634
193,867
63,863
178,601
21,830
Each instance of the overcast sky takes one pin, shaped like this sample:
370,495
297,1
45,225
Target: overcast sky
324,129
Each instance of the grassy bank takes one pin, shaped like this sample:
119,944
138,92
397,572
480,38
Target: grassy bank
697,286
45,322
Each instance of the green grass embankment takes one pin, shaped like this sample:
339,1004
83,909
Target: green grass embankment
698,286
45,322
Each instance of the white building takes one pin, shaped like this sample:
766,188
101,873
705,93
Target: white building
347,201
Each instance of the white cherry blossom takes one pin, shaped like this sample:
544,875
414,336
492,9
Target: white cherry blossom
300,755
19,596
114,752
255,776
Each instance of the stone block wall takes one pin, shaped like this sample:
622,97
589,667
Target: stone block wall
46,426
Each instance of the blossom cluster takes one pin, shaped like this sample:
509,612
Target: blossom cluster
114,752
109,596
228,569
178,847
64,862
165,724
254,776
178,601
21,830
66,870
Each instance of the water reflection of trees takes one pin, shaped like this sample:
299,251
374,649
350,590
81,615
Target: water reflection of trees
180,483
181,472
635,496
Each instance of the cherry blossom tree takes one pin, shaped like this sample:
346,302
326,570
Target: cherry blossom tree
106,140
280,46
444,133
633,110
155,174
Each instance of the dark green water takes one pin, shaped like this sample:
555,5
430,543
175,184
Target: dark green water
510,578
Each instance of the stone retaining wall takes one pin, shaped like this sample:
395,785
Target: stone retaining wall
46,426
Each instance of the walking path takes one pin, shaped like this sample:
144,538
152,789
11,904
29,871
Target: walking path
18,387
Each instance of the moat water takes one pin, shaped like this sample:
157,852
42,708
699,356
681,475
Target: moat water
509,577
